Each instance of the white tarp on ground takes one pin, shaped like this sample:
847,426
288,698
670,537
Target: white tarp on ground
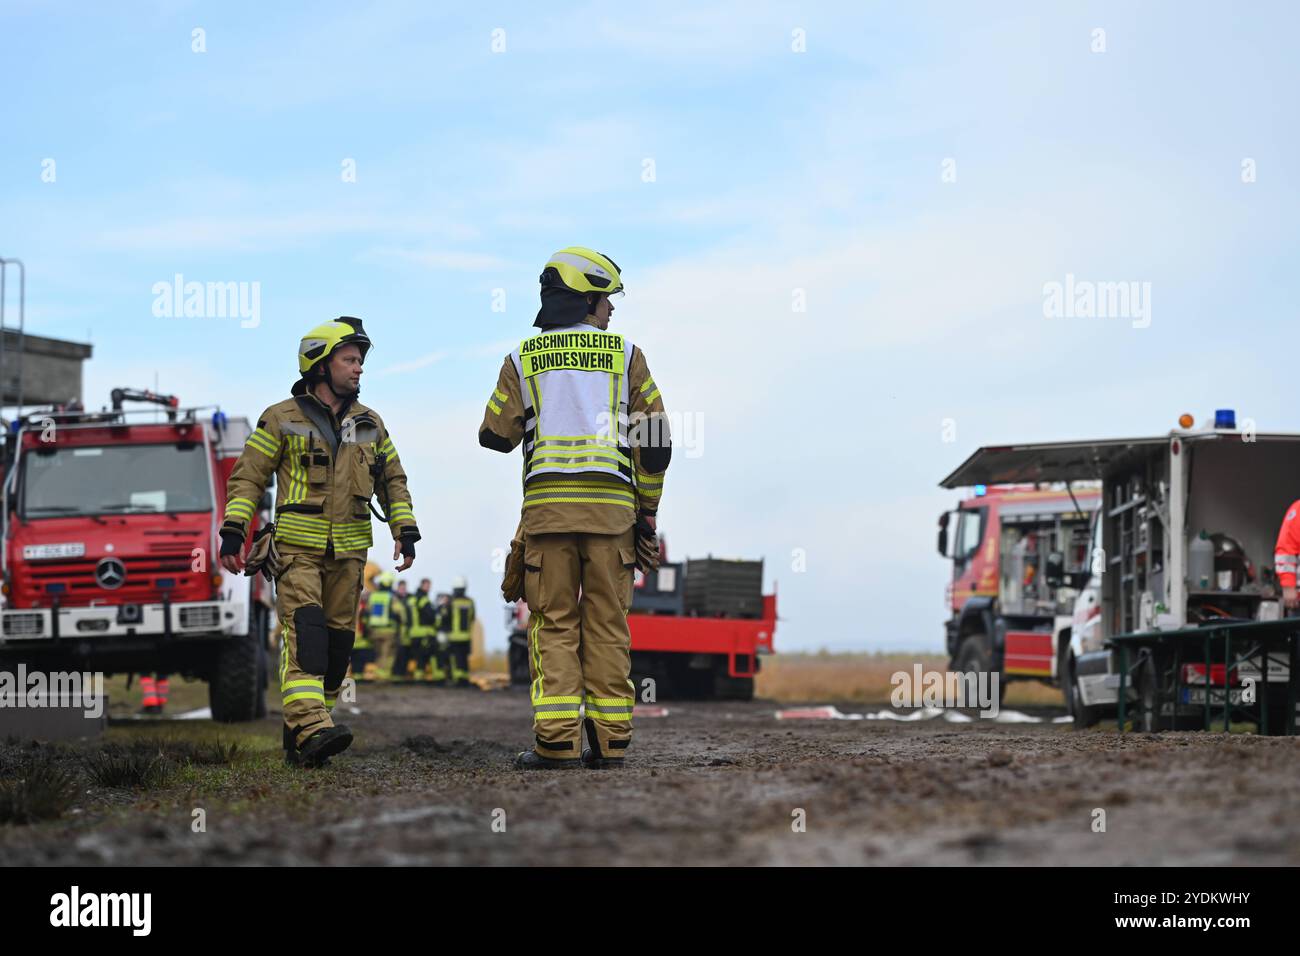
830,712
203,713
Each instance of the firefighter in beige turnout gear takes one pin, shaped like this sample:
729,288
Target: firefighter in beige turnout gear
329,454
596,446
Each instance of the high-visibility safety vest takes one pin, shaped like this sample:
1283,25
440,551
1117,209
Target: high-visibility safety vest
574,384
381,609
462,616
422,616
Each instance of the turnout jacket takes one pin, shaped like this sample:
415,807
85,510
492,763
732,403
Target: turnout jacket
325,473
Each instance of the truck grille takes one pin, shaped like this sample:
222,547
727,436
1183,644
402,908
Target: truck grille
143,572
22,625
195,618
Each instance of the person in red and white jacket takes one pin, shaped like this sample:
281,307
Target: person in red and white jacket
1286,555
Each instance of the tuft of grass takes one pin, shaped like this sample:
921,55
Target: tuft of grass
139,767
42,791
214,753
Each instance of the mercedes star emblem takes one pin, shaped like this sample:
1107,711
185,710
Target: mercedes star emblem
110,573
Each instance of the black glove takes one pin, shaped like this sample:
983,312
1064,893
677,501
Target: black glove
232,542
408,544
647,545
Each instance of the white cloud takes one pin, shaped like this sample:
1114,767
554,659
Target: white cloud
424,361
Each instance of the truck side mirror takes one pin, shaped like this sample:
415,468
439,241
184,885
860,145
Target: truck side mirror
943,534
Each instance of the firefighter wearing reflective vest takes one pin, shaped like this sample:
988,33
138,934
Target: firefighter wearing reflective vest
460,621
442,646
363,653
404,660
329,454
590,417
384,622
423,628
1286,556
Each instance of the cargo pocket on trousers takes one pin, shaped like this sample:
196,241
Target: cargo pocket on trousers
627,558
533,591
286,561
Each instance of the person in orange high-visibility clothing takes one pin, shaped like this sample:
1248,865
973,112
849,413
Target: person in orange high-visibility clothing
154,691
1286,556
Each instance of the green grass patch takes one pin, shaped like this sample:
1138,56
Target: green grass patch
41,790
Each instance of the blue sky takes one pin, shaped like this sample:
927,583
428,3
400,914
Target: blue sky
774,171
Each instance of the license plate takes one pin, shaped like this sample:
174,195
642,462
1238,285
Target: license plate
1196,695
39,552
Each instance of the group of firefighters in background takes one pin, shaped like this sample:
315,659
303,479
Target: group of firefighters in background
417,636
400,636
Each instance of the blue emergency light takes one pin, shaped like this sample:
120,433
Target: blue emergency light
1225,418
980,491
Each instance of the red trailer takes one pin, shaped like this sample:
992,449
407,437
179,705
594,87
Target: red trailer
698,641
700,656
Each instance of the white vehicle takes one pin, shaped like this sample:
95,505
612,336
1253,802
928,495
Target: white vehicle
1184,537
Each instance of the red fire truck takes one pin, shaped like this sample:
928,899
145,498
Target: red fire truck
110,549
699,630
1019,556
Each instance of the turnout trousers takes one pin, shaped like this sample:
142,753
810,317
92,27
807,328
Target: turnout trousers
579,588
316,603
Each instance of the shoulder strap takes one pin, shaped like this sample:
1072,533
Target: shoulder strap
316,415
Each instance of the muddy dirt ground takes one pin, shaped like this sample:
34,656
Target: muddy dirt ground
710,783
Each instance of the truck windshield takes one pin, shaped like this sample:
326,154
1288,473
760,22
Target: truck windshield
115,479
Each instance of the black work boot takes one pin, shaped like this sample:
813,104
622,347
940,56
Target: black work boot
291,756
592,762
294,759
323,744
532,760
592,758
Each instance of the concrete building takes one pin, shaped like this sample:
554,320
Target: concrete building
49,369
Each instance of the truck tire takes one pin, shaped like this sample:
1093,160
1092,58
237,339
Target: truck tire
972,656
262,678
517,658
1277,714
259,628
1084,716
726,687
235,682
1063,680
